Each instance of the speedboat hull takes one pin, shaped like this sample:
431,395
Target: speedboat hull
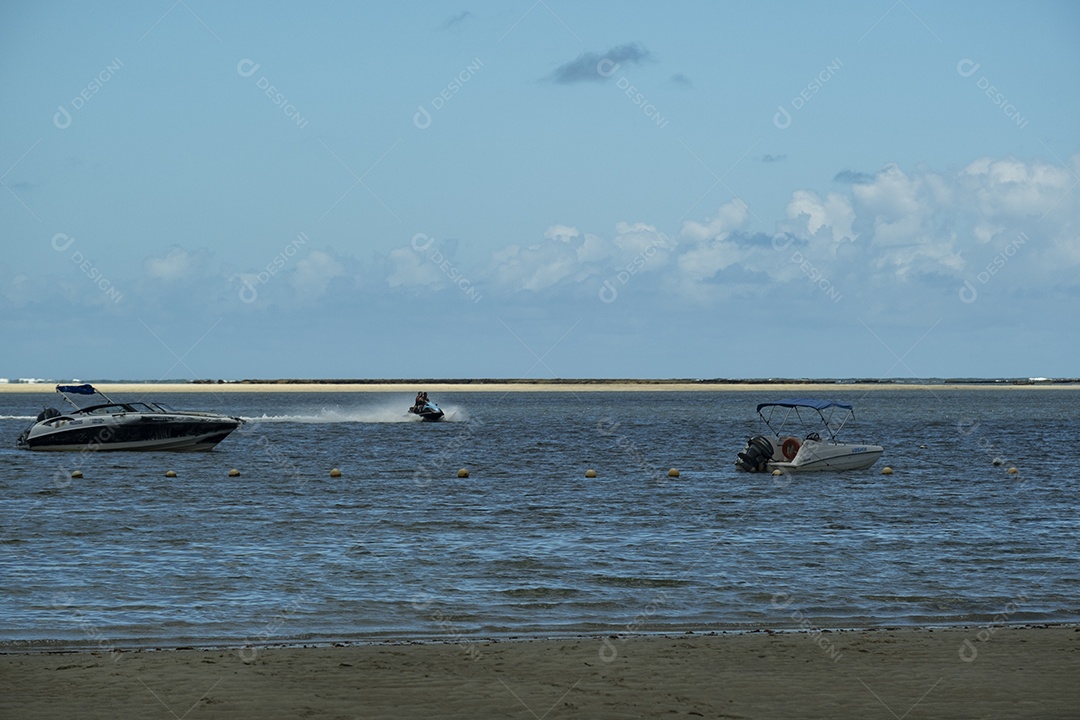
123,425
186,432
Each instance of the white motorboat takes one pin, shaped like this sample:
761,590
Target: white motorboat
805,453
112,425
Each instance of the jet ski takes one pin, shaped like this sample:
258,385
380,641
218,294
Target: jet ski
428,411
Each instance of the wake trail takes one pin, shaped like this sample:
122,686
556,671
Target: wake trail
380,415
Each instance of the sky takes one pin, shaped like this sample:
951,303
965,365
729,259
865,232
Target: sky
539,189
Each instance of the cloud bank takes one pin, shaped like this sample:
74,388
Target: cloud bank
1000,227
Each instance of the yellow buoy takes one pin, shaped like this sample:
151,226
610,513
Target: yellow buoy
673,473
335,473
886,470
590,473
76,474
463,473
1013,471
170,473
234,473
777,471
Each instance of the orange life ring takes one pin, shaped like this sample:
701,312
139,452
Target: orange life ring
790,448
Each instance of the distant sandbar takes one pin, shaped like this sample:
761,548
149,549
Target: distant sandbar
545,385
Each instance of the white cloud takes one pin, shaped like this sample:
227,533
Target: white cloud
566,257
889,207
593,249
411,268
20,289
985,231
314,272
537,267
176,264
1010,187
730,216
896,231
705,260
808,214
898,226
637,239
562,233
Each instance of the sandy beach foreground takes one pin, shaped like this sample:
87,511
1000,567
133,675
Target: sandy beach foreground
954,673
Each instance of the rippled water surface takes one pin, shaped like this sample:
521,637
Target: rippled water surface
399,546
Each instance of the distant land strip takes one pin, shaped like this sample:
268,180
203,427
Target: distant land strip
632,381
792,385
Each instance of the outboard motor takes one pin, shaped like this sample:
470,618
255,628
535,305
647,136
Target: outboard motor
756,455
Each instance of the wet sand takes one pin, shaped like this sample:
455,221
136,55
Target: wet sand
913,673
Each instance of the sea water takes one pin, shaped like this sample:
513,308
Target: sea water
400,547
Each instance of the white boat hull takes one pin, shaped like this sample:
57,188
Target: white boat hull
817,456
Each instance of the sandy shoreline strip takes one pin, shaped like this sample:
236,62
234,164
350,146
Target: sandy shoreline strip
886,673
436,386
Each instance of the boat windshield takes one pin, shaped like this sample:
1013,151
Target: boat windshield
163,407
140,407
106,410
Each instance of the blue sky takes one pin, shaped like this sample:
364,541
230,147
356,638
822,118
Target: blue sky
539,189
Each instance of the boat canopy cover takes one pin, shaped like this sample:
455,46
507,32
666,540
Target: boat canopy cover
84,389
805,402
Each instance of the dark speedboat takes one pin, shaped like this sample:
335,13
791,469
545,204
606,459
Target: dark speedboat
428,411
112,425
